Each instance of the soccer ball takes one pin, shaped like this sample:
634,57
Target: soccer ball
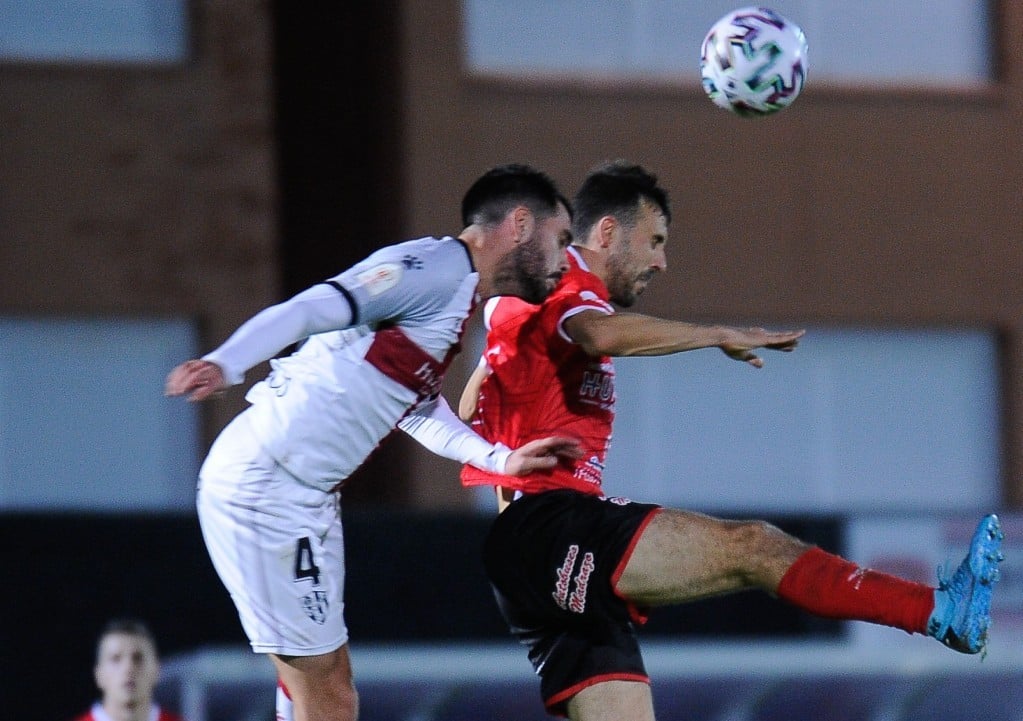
753,62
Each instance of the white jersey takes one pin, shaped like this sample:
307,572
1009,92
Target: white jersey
326,407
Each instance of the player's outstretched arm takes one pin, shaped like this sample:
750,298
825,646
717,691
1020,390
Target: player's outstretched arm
634,334
314,310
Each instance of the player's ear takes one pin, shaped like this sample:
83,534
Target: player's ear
523,222
606,228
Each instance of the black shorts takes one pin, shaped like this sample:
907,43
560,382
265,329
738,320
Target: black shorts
553,560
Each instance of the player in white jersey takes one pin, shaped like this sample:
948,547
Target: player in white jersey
377,340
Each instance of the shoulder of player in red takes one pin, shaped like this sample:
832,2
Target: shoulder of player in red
580,281
503,310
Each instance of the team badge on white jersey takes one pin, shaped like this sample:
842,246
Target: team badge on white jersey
380,278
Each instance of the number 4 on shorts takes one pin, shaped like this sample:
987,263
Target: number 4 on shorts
305,564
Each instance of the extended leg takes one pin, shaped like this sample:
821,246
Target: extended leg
682,556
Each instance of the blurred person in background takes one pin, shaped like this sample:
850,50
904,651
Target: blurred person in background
127,669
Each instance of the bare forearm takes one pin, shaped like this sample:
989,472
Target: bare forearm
630,334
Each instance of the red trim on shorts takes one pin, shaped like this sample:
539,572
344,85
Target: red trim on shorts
571,691
282,687
638,616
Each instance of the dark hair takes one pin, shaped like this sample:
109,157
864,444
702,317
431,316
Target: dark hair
502,188
128,627
617,188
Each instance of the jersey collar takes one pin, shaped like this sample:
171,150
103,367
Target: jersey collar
577,256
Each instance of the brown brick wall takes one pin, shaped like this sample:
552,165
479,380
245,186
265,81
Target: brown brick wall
144,190
153,190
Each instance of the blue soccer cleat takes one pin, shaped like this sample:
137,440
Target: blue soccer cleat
962,604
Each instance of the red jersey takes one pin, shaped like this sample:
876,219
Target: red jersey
542,384
96,713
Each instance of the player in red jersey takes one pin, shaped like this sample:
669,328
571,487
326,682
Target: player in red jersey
127,669
572,569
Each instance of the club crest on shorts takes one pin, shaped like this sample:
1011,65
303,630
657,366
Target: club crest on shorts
617,500
316,605
573,600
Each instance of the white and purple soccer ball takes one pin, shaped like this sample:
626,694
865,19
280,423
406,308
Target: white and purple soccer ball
753,62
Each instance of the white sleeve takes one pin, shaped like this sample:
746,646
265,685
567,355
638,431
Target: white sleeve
439,430
315,310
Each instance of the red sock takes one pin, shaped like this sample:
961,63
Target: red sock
832,587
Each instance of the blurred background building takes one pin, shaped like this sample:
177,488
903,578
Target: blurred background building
167,168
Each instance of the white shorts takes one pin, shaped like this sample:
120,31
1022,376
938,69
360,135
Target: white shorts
277,545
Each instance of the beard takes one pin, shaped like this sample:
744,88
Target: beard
523,273
621,284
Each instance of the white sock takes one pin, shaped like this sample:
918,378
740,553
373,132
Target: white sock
285,708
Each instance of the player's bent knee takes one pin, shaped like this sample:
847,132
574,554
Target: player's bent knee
754,533
761,546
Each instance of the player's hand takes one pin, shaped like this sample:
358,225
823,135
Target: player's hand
747,340
542,454
201,378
